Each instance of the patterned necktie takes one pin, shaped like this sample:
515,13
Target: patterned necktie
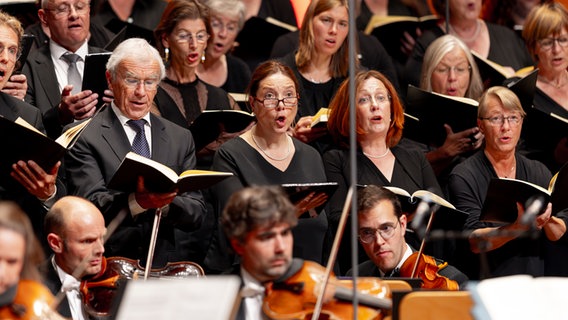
73,75
139,144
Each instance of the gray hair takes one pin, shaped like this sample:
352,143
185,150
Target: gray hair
137,49
232,8
436,51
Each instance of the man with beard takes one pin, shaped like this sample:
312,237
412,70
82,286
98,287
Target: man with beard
258,222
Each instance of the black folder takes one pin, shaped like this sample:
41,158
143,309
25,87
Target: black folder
94,76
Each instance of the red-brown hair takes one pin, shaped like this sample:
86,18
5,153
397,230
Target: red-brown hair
263,71
338,122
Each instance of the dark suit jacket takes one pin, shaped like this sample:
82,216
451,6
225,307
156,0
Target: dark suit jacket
52,281
43,88
94,159
12,108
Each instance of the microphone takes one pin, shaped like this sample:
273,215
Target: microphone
421,213
534,206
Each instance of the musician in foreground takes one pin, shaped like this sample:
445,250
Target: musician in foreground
382,226
75,230
258,222
22,296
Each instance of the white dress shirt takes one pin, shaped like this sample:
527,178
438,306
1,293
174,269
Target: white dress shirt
70,286
253,295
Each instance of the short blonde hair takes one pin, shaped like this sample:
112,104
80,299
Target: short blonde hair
542,21
507,97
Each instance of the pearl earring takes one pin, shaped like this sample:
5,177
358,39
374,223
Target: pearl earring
166,54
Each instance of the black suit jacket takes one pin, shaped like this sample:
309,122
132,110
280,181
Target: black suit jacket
43,88
52,281
12,108
94,159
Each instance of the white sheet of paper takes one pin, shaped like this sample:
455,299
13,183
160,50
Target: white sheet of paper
211,298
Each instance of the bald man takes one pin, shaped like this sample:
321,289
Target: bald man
75,229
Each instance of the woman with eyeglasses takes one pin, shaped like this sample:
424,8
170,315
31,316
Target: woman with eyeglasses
494,42
220,68
182,37
449,69
500,119
268,155
546,36
380,161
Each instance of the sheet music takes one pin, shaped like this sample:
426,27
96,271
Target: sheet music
211,298
520,297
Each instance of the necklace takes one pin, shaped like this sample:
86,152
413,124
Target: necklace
471,38
509,173
550,83
269,156
512,169
377,157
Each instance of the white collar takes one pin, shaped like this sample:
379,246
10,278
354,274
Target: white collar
57,51
251,286
68,282
124,119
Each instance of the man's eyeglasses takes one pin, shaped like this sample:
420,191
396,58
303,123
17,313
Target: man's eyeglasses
13,52
513,120
64,9
149,84
186,37
547,43
386,231
459,70
270,103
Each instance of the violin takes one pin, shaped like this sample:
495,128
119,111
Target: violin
98,292
295,298
427,270
32,301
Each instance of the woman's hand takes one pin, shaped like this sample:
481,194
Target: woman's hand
305,133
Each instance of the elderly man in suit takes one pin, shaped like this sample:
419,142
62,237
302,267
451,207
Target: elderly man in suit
55,70
133,72
31,187
75,232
